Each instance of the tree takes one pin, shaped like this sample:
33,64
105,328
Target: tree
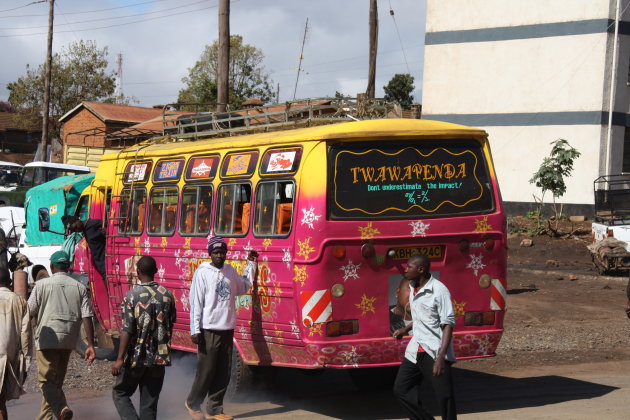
247,76
550,176
6,107
79,73
399,89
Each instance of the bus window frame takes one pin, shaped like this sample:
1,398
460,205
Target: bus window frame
128,219
148,209
298,161
217,213
154,176
197,186
253,164
84,199
256,212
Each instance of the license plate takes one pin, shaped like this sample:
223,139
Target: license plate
431,251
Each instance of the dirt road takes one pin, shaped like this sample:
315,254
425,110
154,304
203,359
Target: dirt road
564,355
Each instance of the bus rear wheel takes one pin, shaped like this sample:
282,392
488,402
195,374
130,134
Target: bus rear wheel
245,378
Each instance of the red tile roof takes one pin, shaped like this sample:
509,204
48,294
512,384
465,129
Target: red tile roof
116,113
6,122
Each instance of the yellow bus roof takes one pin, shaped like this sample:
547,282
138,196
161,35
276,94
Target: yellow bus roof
368,129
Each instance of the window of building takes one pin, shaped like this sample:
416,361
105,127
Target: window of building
132,210
274,208
195,215
162,211
233,209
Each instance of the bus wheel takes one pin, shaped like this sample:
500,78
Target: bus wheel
374,379
246,378
106,346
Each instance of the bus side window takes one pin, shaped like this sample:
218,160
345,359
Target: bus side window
195,215
233,208
162,211
274,208
134,222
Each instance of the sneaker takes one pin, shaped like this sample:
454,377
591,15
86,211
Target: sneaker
219,416
66,414
194,414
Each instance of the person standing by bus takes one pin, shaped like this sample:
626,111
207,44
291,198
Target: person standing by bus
60,304
215,285
429,354
148,314
15,343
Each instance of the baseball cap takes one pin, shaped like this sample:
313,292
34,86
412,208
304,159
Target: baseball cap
60,258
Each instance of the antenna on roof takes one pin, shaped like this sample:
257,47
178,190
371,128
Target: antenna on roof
118,92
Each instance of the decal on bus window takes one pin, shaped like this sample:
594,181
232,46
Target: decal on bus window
408,181
168,170
138,172
239,164
281,161
202,168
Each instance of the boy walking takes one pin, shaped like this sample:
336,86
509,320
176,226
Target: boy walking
148,314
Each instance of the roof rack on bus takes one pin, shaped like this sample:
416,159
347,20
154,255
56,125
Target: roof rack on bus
291,114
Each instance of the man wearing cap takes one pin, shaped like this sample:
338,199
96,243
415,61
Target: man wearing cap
215,285
60,304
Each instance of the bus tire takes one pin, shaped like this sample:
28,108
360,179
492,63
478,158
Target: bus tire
374,379
242,378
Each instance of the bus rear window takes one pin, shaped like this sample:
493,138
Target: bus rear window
132,213
390,179
233,209
163,211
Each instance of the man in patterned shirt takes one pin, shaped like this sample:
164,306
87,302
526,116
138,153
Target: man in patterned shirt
148,314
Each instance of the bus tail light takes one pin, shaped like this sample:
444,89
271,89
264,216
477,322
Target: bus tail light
367,250
479,318
338,290
337,328
339,252
464,245
488,244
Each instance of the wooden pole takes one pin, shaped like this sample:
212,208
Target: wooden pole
223,84
370,91
297,78
47,78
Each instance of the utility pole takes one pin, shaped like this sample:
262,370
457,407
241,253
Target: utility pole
118,92
373,46
47,77
278,93
301,58
223,84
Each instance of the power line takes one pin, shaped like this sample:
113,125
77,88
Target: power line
112,26
110,18
87,11
391,12
26,5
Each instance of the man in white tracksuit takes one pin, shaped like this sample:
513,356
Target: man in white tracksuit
214,287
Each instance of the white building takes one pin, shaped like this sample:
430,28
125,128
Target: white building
530,72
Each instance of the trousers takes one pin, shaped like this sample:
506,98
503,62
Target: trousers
214,365
407,387
150,380
52,365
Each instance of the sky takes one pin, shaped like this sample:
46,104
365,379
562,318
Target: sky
161,39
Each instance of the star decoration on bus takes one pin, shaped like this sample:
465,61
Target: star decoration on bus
305,248
299,274
231,241
368,231
476,263
350,270
419,228
366,305
161,272
266,242
309,217
482,225
315,329
164,242
351,357
147,246
458,308
187,243
286,258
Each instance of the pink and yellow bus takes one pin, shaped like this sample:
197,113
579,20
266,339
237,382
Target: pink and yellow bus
334,212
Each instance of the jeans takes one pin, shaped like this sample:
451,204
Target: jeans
407,385
150,380
214,366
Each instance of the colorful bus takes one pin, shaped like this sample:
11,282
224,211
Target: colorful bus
334,212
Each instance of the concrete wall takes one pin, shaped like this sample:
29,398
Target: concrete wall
529,72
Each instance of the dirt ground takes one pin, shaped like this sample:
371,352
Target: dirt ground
560,311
